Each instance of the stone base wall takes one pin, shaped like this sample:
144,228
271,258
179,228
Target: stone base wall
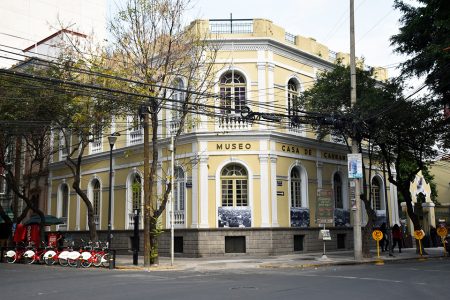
211,242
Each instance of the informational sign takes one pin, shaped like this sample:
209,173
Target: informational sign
377,235
325,235
419,234
442,232
354,166
325,207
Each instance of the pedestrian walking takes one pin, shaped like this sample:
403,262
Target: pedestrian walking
397,238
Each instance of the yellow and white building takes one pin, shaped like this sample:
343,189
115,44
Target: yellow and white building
240,186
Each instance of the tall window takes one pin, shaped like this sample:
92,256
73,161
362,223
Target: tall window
65,145
179,189
134,130
337,189
376,194
65,201
136,192
296,190
292,98
96,198
232,93
178,98
96,144
234,181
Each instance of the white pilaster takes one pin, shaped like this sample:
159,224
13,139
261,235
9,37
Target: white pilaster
264,182
77,214
194,195
319,166
273,184
203,159
49,194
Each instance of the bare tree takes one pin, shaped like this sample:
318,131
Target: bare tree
156,48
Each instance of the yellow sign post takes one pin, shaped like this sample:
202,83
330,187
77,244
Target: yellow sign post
377,235
419,235
442,232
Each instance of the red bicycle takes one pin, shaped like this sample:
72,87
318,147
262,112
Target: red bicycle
15,255
34,254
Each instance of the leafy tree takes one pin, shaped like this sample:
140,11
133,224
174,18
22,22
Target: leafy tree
26,110
330,101
405,134
155,47
425,37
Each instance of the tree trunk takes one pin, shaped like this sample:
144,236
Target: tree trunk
90,209
411,214
154,255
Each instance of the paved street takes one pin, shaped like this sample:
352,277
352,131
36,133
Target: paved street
395,280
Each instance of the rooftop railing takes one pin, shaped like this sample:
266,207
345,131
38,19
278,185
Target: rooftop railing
223,26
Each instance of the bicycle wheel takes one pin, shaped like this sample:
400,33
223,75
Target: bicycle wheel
86,263
97,259
49,261
73,262
11,257
63,262
28,259
105,260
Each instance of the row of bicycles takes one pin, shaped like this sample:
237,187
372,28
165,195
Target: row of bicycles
86,255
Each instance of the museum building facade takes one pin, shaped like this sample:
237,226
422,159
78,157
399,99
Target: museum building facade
241,186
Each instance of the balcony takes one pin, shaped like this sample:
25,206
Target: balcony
233,123
178,218
131,221
135,136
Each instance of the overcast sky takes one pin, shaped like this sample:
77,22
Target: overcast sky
22,22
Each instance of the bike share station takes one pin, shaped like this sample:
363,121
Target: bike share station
30,249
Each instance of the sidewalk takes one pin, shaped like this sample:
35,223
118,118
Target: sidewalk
304,260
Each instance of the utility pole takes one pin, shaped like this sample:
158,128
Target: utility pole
357,239
172,199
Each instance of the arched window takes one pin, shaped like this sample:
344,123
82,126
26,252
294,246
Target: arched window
64,201
232,93
136,192
337,190
178,98
296,188
234,181
96,193
293,105
179,183
376,198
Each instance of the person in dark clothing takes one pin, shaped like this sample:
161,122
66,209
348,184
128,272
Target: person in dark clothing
434,237
384,243
397,238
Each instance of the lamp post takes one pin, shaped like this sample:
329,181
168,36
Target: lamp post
112,140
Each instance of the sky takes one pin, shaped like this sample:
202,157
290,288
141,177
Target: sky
23,22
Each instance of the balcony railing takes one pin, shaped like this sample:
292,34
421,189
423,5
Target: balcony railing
135,136
290,38
233,123
96,146
178,217
131,221
224,26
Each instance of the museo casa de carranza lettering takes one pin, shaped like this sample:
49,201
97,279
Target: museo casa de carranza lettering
233,146
297,150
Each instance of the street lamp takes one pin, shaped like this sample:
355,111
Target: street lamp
112,140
